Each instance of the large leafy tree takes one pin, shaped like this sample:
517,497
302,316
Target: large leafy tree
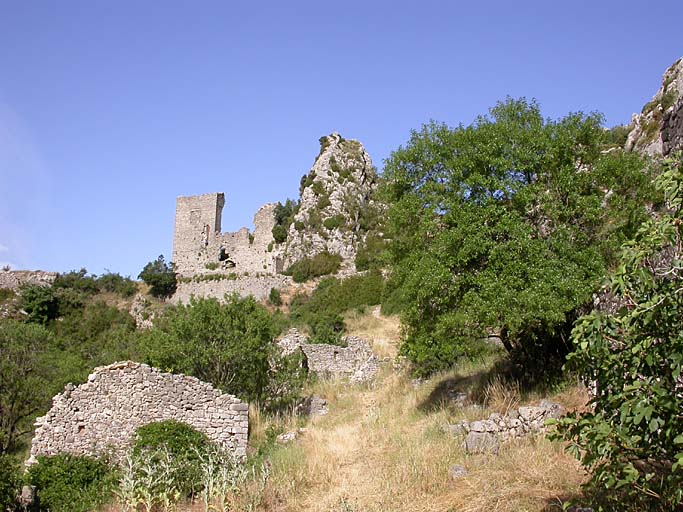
506,225
632,437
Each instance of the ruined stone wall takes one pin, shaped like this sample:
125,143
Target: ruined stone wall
355,361
199,246
103,414
258,286
14,279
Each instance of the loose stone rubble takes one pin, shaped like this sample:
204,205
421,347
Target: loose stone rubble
355,361
485,436
101,416
15,279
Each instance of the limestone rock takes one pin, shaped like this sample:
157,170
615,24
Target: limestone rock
334,195
658,129
457,471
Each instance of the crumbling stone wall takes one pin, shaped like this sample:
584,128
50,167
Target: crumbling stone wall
14,279
355,361
199,246
102,414
486,435
258,285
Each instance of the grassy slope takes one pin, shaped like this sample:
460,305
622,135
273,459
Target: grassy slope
382,447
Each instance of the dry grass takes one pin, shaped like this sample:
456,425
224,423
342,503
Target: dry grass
384,332
383,447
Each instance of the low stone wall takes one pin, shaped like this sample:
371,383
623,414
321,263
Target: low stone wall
257,286
14,279
486,435
101,415
355,361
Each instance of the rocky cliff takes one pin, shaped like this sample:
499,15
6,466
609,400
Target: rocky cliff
336,208
658,129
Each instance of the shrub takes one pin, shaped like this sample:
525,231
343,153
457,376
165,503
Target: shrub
69,483
116,283
323,201
41,303
370,254
274,297
334,222
212,265
160,276
321,312
78,280
229,345
321,264
631,437
9,482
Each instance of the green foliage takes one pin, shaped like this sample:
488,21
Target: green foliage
371,253
284,216
67,483
184,444
87,285
318,188
30,371
321,264
334,222
41,303
669,98
212,265
617,135
160,276
321,312
493,228
323,201
228,345
274,297
306,181
631,438
9,482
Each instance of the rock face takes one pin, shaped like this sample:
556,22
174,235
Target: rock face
103,414
485,436
14,279
336,196
355,361
658,129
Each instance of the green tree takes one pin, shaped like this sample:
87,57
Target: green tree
29,377
229,345
160,276
506,225
631,439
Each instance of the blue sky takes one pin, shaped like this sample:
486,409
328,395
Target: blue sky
109,110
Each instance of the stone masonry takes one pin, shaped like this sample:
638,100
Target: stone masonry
101,415
486,435
355,361
199,246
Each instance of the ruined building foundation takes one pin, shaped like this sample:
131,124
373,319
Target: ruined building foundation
102,415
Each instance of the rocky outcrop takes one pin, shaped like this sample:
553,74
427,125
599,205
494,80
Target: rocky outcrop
102,414
355,360
141,312
485,436
658,129
336,196
15,279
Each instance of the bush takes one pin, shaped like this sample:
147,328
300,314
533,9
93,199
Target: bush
116,283
69,483
229,345
321,312
631,438
321,264
370,253
6,294
9,482
41,303
182,443
160,276
78,280
274,297
334,222
284,216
